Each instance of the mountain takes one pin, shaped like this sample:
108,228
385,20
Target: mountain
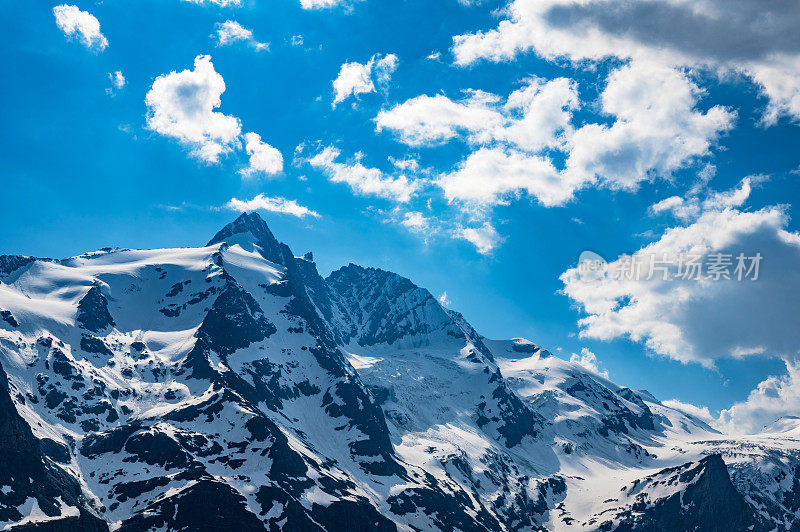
232,387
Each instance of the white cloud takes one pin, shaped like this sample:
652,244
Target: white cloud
230,31
771,407
702,320
443,299
264,158
408,164
357,78
385,67
362,179
220,3
690,207
773,398
271,204
353,79
117,79
74,22
671,204
656,130
427,120
532,117
323,4
588,361
485,238
182,105
416,222
753,38
490,176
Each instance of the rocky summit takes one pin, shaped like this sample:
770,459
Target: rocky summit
232,387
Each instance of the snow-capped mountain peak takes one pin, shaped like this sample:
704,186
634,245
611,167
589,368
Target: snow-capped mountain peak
251,232
231,387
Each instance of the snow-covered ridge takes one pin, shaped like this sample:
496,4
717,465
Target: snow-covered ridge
143,384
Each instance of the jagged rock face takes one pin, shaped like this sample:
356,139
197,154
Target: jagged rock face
32,480
231,387
693,496
254,231
10,263
381,307
383,310
93,311
7,317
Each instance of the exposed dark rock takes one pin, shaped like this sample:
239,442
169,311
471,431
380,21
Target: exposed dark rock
449,513
58,452
204,506
709,502
91,344
93,311
85,522
253,224
7,317
11,263
28,473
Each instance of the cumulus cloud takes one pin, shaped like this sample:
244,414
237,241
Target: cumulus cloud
362,179
264,159
656,130
531,118
182,105
588,361
271,204
489,176
81,24
699,318
428,120
353,79
774,398
769,408
357,78
230,31
753,38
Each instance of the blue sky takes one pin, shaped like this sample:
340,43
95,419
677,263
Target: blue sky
478,203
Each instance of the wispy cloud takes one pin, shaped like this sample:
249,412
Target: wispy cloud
362,179
230,32
271,204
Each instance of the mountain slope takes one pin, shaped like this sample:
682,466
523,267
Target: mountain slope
231,387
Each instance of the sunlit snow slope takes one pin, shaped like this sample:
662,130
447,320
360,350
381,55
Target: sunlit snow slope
231,387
